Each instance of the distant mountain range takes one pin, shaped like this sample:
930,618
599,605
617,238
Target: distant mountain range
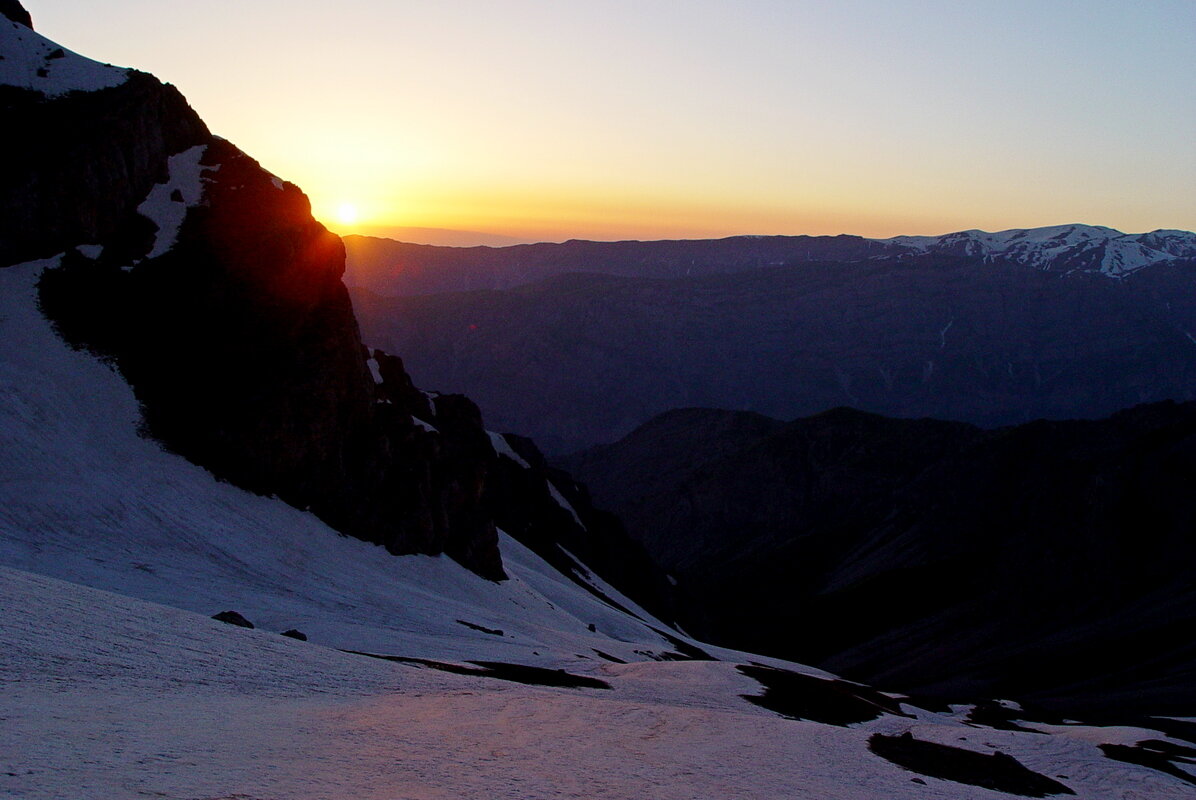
1063,248
442,237
991,329
192,433
389,267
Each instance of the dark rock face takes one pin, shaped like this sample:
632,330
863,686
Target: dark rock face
242,346
1051,561
13,10
232,618
240,341
524,507
295,634
76,167
508,494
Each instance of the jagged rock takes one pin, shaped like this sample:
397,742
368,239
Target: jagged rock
76,167
240,342
520,495
295,634
232,618
13,10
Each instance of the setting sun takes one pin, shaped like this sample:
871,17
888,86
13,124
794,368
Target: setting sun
346,214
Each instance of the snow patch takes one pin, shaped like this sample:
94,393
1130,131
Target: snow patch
503,448
375,371
1086,248
31,61
563,503
163,206
419,423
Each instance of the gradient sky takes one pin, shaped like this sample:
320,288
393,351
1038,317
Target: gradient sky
654,118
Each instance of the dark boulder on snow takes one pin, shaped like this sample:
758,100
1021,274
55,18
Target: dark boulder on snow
997,771
13,10
232,618
295,634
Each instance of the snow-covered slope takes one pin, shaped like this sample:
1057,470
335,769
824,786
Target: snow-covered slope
84,498
116,684
107,697
31,61
1089,248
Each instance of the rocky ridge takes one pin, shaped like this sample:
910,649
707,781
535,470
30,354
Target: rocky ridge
207,282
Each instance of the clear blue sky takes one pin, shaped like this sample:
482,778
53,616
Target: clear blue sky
658,118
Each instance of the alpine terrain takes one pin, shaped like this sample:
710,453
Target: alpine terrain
243,555
577,344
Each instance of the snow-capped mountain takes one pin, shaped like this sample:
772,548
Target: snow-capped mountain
1061,248
212,431
395,269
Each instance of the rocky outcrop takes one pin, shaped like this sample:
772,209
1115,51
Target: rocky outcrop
241,344
13,10
541,507
76,167
234,330
1051,561
220,299
233,618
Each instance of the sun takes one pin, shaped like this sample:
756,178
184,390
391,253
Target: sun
346,214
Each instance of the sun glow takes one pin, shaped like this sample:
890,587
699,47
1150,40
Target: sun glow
347,214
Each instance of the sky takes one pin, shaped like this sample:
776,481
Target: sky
549,120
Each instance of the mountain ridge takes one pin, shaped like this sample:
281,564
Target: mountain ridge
205,280
389,267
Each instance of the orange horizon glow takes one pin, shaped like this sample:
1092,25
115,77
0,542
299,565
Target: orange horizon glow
709,118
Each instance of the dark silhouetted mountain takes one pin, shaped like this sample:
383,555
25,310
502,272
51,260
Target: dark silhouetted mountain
580,359
207,282
1051,561
14,11
390,268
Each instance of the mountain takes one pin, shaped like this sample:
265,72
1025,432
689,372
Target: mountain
581,359
190,426
441,237
391,268
1063,248
1051,561
206,281
418,678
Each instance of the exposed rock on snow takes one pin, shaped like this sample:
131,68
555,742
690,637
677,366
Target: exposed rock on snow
34,63
232,618
14,11
1062,248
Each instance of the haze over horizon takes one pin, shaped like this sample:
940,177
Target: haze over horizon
542,121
